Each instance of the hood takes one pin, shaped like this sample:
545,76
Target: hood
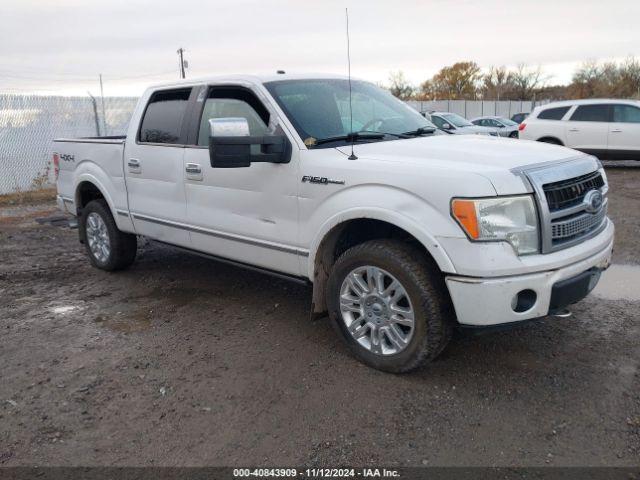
491,157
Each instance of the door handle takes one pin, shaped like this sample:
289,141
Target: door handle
134,165
193,168
574,130
617,130
194,171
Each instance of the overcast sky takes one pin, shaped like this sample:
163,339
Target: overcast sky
61,46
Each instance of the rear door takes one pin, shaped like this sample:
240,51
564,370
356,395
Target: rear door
588,128
624,132
153,163
247,214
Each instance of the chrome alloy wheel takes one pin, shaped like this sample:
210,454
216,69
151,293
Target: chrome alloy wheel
376,310
98,237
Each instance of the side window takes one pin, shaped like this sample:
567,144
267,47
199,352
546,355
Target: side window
439,122
226,102
591,113
626,114
553,113
162,121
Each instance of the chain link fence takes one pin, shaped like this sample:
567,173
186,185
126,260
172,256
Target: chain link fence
29,123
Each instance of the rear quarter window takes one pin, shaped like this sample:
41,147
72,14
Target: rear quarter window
553,113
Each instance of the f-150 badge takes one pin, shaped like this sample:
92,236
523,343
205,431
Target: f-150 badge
321,180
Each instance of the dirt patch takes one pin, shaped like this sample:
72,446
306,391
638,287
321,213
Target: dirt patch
184,361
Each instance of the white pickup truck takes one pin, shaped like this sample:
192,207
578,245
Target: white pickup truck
405,233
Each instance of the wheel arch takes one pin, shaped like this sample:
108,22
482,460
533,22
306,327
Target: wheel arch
88,188
550,139
357,227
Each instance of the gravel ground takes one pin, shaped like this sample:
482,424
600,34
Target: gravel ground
184,361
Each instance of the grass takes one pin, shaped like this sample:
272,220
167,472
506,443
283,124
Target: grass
30,197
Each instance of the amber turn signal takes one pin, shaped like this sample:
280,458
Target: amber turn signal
465,212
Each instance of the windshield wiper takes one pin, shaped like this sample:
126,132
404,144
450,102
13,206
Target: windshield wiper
420,131
351,137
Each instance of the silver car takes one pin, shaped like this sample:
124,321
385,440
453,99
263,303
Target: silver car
504,126
456,125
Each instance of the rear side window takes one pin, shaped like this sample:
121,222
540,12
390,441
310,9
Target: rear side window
591,113
626,114
162,121
553,113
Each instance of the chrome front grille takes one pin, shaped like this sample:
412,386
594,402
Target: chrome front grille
567,193
567,216
563,230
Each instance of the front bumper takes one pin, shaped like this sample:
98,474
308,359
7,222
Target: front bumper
490,301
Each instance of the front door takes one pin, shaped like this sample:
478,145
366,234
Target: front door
624,132
153,163
247,214
588,129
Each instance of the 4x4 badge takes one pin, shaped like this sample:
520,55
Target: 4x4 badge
321,180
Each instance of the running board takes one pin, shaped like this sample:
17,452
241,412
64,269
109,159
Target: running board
246,266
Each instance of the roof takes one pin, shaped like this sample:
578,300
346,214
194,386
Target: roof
496,117
588,101
251,78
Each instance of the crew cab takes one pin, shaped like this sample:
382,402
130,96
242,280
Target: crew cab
608,128
404,233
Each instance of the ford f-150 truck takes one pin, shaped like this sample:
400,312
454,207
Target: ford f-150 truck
404,233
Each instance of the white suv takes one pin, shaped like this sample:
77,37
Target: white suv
608,129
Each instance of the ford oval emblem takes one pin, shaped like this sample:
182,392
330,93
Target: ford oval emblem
593,201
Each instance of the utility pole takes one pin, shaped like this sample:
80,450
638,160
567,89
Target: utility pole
182,62
104,116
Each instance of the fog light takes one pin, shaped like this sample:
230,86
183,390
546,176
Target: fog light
523,301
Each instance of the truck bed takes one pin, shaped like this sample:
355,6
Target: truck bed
98,160
103,139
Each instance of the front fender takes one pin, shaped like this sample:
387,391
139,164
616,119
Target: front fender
403,210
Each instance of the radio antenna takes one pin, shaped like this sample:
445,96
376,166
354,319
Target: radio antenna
351,134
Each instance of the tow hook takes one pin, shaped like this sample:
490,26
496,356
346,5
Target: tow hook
564,313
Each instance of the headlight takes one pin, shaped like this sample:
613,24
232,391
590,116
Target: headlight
501,219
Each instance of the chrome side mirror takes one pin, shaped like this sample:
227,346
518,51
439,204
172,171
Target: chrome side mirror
231,142
229,127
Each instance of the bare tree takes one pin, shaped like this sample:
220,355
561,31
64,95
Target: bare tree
399,86
527,81
497,83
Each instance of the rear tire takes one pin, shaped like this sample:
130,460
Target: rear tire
383,338
108,248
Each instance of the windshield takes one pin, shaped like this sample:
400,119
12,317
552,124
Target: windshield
507,122
319,109
457,120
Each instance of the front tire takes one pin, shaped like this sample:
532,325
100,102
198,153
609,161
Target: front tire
108,248
390,305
